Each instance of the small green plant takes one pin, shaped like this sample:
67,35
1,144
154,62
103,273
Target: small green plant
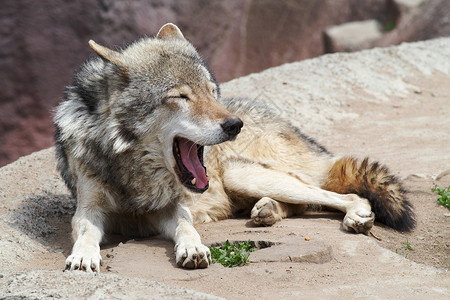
405,247
403,253
389,26
444,194
232,255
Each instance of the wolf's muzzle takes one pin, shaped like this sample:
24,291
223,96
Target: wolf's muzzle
232,127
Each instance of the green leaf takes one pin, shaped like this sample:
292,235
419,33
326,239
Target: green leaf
444,196
232,255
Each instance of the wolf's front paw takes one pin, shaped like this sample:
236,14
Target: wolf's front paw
265,212
193,256
88,260
359,220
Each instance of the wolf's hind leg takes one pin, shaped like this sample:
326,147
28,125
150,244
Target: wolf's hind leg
254,180
267,211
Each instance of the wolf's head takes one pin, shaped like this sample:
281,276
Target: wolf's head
158,93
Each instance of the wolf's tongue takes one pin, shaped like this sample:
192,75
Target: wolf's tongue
189,157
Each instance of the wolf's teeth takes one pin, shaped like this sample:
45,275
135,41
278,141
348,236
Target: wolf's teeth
194,181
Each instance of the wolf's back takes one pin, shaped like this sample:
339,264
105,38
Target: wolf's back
373,182
74,117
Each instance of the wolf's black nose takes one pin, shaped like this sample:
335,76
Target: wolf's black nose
232,126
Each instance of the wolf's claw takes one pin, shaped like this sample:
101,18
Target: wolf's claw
193,256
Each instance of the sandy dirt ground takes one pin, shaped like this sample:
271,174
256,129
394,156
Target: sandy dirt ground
409,132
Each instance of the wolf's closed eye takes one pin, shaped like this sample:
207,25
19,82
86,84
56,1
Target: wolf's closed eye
181,96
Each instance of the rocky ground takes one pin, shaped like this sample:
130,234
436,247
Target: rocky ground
390,104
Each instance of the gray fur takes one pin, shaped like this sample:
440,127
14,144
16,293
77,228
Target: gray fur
115,131
94,119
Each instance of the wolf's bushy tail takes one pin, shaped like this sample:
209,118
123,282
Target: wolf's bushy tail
373,182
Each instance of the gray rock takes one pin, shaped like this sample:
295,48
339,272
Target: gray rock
313,94
73,285
352,36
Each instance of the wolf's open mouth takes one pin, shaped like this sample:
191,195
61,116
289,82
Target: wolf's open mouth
190,169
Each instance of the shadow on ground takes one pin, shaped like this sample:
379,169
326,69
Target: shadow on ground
46,219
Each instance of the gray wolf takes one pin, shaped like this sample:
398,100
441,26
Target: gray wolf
138,129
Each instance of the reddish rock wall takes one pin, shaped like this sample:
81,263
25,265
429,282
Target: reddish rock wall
42,42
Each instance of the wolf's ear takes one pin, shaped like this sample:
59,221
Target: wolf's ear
170,31
108,54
